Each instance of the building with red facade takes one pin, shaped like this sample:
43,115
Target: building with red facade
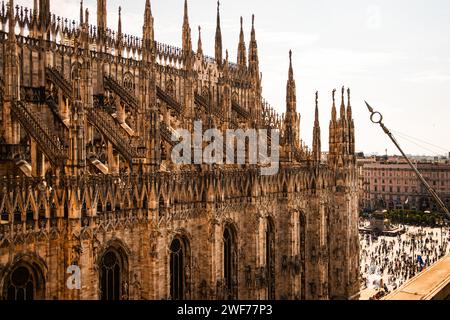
393,181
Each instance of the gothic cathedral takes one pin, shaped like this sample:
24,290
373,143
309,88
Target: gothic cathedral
88,188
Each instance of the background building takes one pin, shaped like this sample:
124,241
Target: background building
393,181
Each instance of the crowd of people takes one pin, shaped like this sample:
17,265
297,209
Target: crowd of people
388,262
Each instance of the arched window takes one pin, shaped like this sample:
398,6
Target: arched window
30,215
170,88
113,281
5,215
235,97
42,216
17,215
145,203
270,259
179,269
53,211
302,243
25,282
66,210
206,93
230,263
21,285
84,213
99,208
128,82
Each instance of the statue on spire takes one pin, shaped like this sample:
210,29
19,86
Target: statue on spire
81,12
218,43
187,42
242,54
200,46
317,148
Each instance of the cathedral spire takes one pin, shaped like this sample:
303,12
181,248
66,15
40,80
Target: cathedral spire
291,70
35,8
44,13
342,115
86,19
119,34
119,25
351,126
81,13
292,118
316,117
187,42
85,32
291,97
148,32
349,106
218,43
333,132
242,54
333,110
317,152
226,64
101,16
342,138
200,45
12,22
253,51
148,35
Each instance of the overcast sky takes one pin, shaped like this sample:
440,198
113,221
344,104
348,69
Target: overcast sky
394,54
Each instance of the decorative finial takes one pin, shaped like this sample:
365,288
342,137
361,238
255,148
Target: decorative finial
253,20
290,56
119,29
317,98
81,12
334,95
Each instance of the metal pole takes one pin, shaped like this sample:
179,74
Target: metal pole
377,118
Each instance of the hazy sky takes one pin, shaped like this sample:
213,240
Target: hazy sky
394,54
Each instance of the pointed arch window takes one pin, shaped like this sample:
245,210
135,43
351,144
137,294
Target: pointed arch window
53,211
302,243
21,285
179,269
42,215
230,263
128,82
270,259
170,88
5,215
17,215
30,215
113,280
25,282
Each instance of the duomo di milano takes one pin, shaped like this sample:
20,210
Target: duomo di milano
88,187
